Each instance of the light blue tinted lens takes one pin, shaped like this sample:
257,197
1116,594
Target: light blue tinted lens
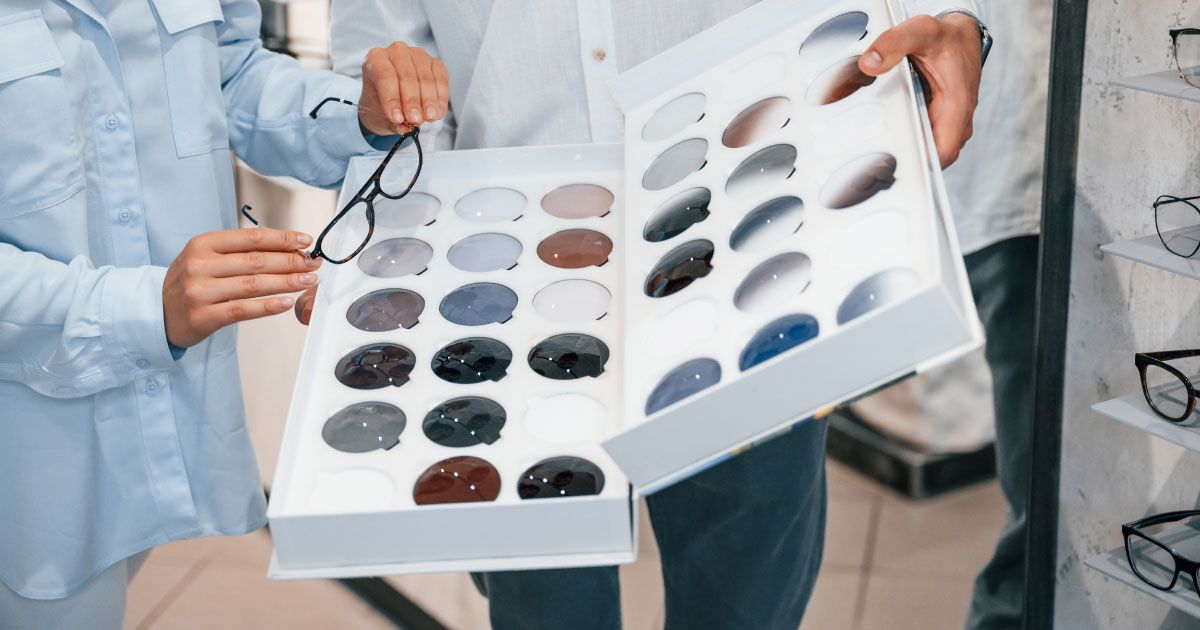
876,292
778,337
479,304
683,381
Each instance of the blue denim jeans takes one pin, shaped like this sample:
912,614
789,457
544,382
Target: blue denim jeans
740,542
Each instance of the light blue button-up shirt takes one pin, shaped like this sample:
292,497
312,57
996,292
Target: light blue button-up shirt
116,130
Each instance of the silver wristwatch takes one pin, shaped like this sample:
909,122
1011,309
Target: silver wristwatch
984,33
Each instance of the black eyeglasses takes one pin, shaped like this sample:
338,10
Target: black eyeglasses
1185,48
1169,393
1172,214
359,233
1148,546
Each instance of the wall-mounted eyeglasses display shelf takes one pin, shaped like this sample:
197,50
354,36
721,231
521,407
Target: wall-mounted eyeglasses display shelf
1166,83
1115,564
1149,250
1132,410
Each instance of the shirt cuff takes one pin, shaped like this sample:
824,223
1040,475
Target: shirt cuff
337,125
135,334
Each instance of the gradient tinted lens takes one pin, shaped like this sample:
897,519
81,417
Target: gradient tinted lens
676,163
465,422
568,357
685,380
859,180
834,37
376,366
395,257
457,480
572,301
389,309
578,201
838,82
409,211
675,116
774,282
877,291
678,214
679,268
364,427
491,205
757,122
575,249
778,337
763,170
485,252
479,304
768,224
472,360
561,477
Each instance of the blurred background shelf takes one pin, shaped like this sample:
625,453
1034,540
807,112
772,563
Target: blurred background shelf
1165,83
1149,250
1114,565
1132,410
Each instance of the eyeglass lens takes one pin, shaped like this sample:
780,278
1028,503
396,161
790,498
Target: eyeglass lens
561,477
472,360
569,356
465,421
364,427
457,480
1166,392
375,366
679,268
384,310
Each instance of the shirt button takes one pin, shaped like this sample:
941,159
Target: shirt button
142,364
151,387
599,54
124,216
111,123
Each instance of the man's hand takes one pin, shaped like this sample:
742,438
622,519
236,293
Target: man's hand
221,278
407,84
946,52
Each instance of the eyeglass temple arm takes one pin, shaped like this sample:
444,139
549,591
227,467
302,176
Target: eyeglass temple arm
1173,199
1159,519
1171,355
333,99
245,210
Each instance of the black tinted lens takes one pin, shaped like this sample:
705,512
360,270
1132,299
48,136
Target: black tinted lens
679,268
364,427
561,477
678,214
385,310
376,366
568,357
465,421
473,360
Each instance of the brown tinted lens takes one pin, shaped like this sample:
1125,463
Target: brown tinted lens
837,82
578,201
376,366
575,249
457,480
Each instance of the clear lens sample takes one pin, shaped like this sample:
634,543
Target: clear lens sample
364,427
763,170
858,180
755,76
768,224
870,242
457,480
774,282
676,163
838,82
384,310
575,249
675,116
572,301
578,201
465,421
682,328
395,257
679,268
411,210
834,37
877,291
757,122
1168,393
566,418
685,380
569,356
375,366
491,205
479,304
677,215
354,490
778,337
472,360
850,128
561,477
485,252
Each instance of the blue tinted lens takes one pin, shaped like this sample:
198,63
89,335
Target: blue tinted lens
683,381
778,337
479,304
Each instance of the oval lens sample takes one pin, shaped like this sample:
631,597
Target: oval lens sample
457,480
775,281
754,76
757,122
569,356
411,210
877,291
491,205
778,337
384,310
395,257
572,301
768,224
675,116
834,37
679,268
479,304
472,360
561,477
485,252
578,201
858,180
677,215
763,170
676,163
683,381
364,427
838,82
566,418
375,366
575,249
465,421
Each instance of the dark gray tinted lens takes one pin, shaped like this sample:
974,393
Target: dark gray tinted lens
775,281
768,224
834,37
473,360
678,214
395,257
376,366
838,82
465,422
859,180
364,427
679,268
479,304
569,356
685,380
778,337
485,252
676,163
561,477
763,170
389,309
877,291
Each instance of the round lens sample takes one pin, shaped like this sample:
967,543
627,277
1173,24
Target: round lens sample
479,304
838,82
411,210
834,37
778,337
566,418
757,122
774,282
485,252
375,366
472,360
763,170
569,356
858,180
395,257
675,116
755,76
561,477
364,427
457,480
491,205
877,291
683,381
578,201
768,224
575,249
679,268
384,310
1168,393
572,301
676,163
677,215
465,421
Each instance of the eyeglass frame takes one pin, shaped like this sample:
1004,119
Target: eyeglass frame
1182,564
1169,199
1143,360
1175,33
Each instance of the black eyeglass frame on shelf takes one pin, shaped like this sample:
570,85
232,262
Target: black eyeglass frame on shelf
1175,35
1144,360
1169,199
1182,564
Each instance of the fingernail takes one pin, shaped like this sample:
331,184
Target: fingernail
414,115
304,239
431,112
285,302
397,117
308,278
312,262
874,60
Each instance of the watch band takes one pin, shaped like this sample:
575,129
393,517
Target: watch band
984,34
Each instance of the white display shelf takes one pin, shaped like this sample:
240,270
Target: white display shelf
1165,83
1132,410
1149,250
1114,565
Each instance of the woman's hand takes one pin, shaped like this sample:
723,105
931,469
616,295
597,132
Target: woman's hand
405,83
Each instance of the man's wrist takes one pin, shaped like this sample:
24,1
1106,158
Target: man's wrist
970,23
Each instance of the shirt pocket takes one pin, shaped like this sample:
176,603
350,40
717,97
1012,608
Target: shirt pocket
40,165
192,61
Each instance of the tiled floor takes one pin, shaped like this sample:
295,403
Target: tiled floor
889,564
